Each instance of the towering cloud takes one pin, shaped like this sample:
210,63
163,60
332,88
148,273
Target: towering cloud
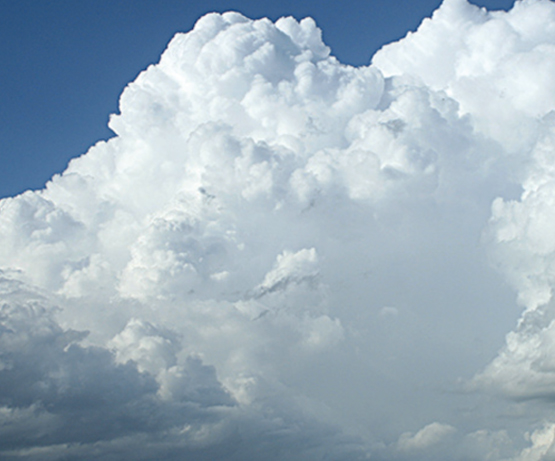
279,256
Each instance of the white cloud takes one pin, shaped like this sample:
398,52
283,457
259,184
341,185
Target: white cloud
430,435
542,445
230,253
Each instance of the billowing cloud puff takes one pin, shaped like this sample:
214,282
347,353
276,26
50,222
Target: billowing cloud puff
486,61
55,391
430,435
279,256
498,67
61,399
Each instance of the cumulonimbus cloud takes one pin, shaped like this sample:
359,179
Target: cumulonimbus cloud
279,256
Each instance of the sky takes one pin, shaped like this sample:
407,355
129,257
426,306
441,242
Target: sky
292,245
65,63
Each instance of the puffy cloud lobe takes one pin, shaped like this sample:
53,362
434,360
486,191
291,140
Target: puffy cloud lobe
521,238
157,237
232,249
476,55
542,448
496,66
290,268
61,399
54,391
430,435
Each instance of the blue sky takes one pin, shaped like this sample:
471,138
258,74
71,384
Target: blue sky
65,63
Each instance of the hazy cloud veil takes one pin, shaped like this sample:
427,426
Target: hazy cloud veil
283,257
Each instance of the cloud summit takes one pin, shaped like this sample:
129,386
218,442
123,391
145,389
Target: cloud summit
281,257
